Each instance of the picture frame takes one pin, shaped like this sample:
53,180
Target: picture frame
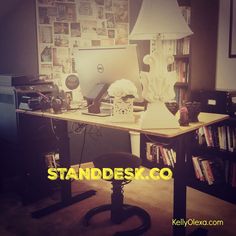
232,30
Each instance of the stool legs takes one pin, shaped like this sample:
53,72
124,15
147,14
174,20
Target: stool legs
95,211
116,206
117,199
121,212
129,211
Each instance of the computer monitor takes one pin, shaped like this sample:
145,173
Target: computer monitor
106,65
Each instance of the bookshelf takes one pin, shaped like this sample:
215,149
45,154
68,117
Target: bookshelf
216,163
157,152
218,160
196,62
216,147
182,57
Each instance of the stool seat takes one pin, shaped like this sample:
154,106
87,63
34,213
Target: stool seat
120,211
117,160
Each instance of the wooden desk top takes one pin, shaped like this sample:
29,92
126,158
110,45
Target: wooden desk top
76,116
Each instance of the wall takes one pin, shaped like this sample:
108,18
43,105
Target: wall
18,55
226,67
18,48
143,46
204,22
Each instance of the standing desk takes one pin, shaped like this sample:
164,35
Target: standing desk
179,136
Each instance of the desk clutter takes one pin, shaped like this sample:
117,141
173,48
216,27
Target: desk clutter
32,93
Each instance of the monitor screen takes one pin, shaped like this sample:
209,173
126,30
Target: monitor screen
106,65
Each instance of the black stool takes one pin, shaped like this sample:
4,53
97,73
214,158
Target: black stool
120,211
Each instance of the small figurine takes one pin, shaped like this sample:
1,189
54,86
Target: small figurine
183,120
194,108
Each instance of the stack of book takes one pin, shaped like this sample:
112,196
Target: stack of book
223,137
180,96
176,47
214,171
160,154
183,46
182,70
211,171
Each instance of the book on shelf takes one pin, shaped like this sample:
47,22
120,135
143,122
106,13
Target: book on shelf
160,154
208,136
180,96
197,168
183,46
207,171
182,70
201,136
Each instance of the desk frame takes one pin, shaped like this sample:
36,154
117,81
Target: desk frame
66,194
178,136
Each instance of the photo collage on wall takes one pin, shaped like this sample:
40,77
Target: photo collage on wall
64,26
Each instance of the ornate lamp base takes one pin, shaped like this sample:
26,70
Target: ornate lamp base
157,116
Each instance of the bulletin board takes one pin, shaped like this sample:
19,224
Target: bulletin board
64,26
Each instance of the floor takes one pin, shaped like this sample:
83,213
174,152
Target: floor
154,196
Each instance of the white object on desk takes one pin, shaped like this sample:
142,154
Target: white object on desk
158,116
123,110
135,143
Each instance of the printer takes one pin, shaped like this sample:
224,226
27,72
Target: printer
20,91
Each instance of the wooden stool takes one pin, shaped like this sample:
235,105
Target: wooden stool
120,211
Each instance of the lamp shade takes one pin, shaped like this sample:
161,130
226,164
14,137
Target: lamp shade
161,18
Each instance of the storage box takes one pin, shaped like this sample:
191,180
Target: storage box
215,101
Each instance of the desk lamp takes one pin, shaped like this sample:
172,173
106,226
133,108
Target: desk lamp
159,20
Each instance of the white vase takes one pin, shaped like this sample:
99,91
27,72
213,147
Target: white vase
122,110
157,116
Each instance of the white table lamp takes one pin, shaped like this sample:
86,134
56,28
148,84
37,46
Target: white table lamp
159,20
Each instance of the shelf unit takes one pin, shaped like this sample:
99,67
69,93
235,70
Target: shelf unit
144,139
222,189
201,59
182,57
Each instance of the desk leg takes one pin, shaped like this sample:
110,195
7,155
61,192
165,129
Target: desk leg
66,196
179,211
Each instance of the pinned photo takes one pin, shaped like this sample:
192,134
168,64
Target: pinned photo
75,30
61,28
66,11
46,54
45,34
